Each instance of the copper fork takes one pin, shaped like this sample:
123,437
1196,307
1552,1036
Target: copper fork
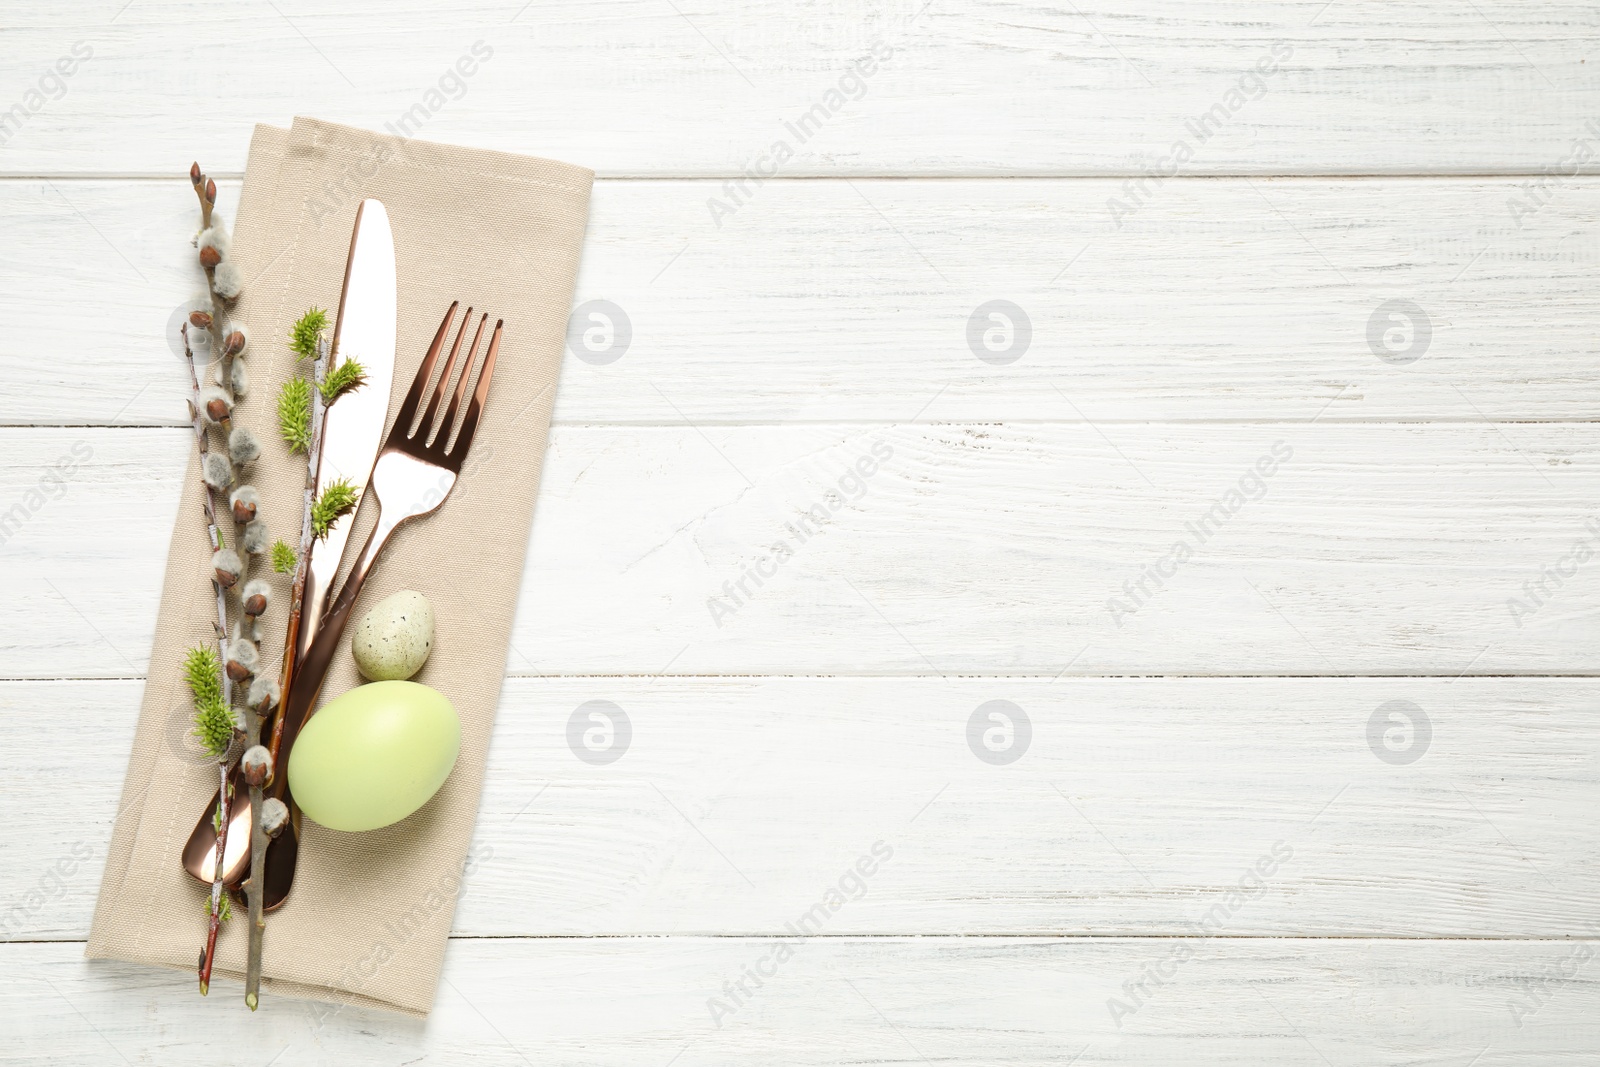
414,472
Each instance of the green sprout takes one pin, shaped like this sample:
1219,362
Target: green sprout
294,414
341,379
213,722
306,333
339,498
284,560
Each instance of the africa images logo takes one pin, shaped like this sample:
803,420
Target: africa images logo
1152,578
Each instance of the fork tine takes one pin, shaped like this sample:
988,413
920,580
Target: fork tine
425,428
413,400
461,388
480,397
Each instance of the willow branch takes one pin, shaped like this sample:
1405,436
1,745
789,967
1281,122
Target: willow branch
214,537
302,567
203,185
258,836
258,885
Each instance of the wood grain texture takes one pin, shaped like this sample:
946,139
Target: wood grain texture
825,300
969,86
959,1001
1133,806
1435,517
971,549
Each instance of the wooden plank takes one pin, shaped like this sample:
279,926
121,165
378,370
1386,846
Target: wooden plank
822,300
950,1000
957,87
970,549
1129,806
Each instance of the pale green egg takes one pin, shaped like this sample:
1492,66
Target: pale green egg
373,756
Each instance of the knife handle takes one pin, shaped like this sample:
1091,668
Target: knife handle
313,668
284,850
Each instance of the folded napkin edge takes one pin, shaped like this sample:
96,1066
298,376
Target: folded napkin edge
375,148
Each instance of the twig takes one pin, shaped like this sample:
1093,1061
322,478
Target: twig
206,190
258,837
209,957
225,352
214,536
302,567
258,887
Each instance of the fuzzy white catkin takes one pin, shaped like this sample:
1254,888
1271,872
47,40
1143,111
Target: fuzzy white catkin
258,587
215,236
256,763
256,538
264,693
217,471
202,301
227,279
239,378
210,396
244,501
225,561
274,816
243,446
245,654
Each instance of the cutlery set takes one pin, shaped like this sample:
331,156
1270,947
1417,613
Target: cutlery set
409,476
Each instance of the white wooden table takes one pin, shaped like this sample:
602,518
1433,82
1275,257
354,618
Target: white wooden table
1344,354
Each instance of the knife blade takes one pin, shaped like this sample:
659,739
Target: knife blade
352,431
353,427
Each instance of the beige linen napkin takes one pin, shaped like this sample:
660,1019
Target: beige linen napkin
368,919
